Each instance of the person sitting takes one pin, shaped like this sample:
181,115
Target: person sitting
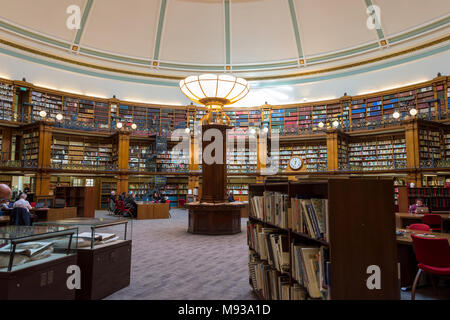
156,197
230,196
112,205
123,196
419,205
22,203
5,195
131,203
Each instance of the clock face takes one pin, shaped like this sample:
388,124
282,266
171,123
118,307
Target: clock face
295,163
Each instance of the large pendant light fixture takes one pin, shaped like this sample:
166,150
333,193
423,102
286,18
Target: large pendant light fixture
214,91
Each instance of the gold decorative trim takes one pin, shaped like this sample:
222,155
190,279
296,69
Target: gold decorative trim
176,78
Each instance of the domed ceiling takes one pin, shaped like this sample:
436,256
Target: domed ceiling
257,39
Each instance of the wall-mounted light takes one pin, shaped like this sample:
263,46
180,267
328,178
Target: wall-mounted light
134,126
413,112
59,117
396,115
252,131
42,114
321,124
119,125
187,130
335,123
266,129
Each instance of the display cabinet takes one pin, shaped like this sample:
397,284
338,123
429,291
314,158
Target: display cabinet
104,254
34,262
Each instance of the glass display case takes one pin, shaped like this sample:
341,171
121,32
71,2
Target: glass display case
95,232
24,246
36,262
103,255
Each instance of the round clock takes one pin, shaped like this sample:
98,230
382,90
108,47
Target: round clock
295,163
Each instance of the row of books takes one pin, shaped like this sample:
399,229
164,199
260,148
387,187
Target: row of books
310,268
270,245
307,216
269,283
428,192
275,258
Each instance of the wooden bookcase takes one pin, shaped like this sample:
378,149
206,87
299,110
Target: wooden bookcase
176,189
382,152
361,233
83,198
106,187
436,199
6,100
313,153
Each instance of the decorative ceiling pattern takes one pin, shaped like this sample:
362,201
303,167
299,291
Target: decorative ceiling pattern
258,39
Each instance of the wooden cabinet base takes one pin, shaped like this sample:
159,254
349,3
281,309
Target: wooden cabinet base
214,219
153,211
104,270
45,281
61,213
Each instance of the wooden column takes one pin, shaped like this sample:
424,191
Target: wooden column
332,150
42,184
412,152
412,144
45,147
122,183
214,182
6,143
415,177
261,154
123,149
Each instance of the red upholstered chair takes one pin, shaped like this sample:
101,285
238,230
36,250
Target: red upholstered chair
419,226
433,255
434,221
181,203
121,208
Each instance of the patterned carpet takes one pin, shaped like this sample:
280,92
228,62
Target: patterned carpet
169,263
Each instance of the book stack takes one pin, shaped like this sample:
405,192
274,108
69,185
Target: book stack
310,216
270,245
267,281
307,216
310,269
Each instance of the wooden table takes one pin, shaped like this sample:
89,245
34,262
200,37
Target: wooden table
151,210
4,220
407,257
244,210
50,214
403,219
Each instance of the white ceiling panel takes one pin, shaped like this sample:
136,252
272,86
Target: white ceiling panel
261,31
402,15
327,26
124,27
194,32
44,16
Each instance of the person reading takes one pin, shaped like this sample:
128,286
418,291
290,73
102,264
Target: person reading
418,207
22,203
230,196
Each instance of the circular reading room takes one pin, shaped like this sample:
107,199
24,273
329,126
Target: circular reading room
248,150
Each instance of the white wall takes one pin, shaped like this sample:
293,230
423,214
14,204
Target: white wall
395,76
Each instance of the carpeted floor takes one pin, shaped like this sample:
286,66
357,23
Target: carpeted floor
169,263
